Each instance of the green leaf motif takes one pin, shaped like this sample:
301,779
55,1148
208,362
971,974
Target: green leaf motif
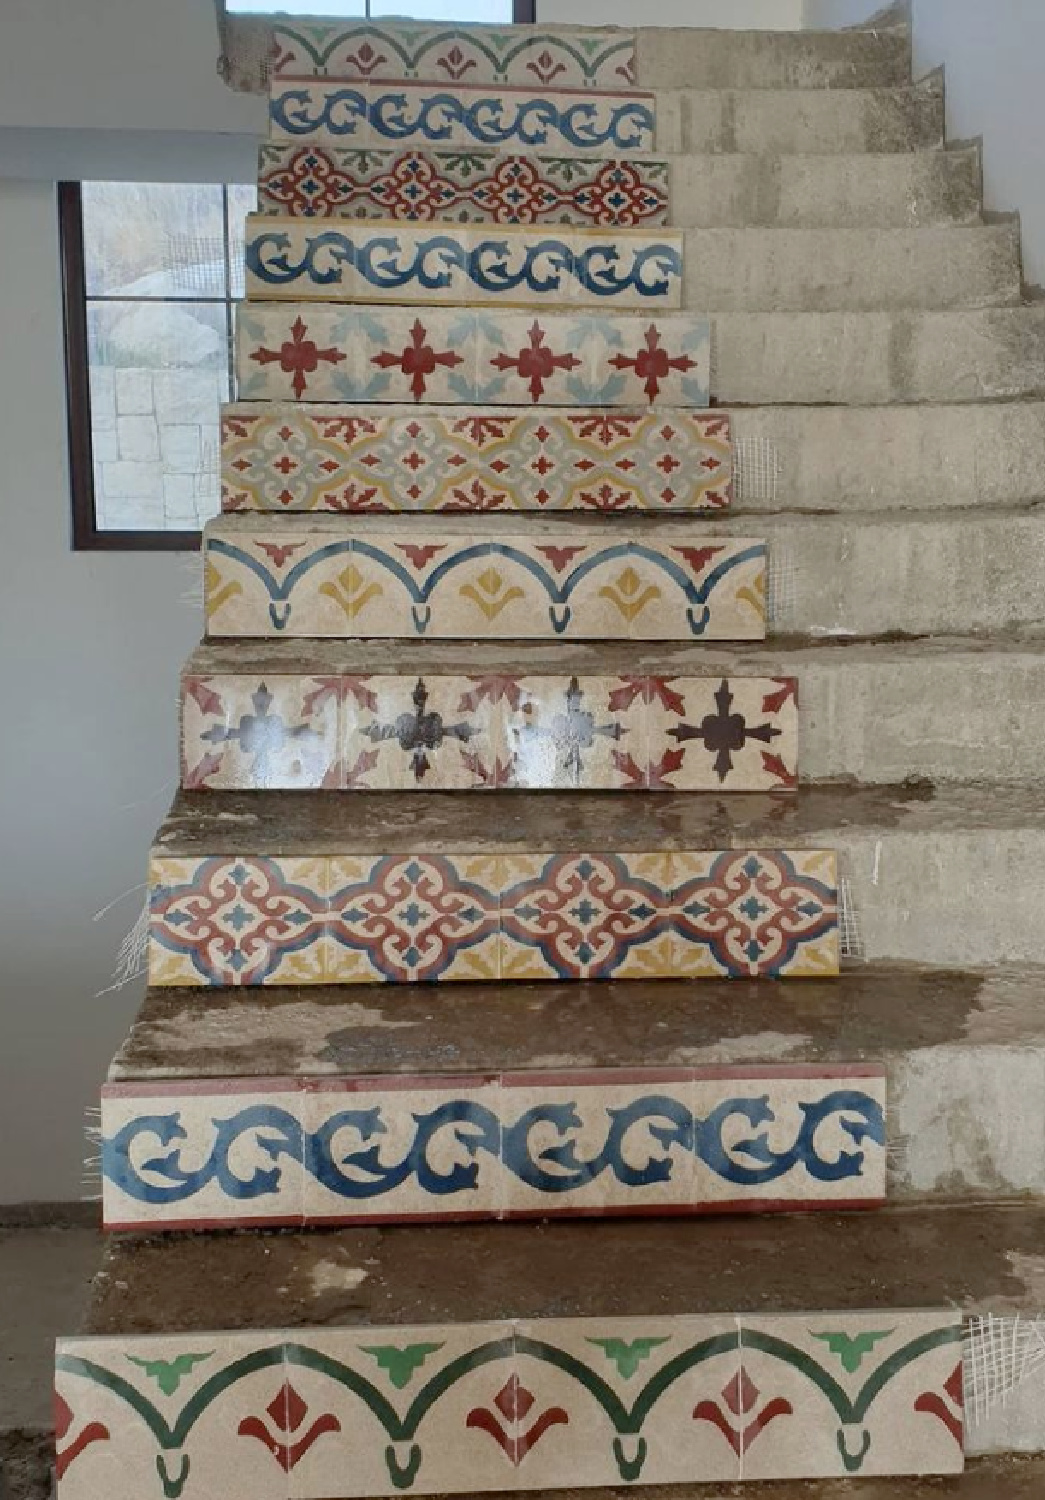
853,1349
169,1373
401,1364
627,1357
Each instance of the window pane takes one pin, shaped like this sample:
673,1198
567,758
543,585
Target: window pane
153,239
493,12
243,200
158,372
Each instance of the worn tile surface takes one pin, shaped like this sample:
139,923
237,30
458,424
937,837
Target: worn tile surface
307,458
463,187
466,115
403,918
323,580
292,259
374,1149
326,352
555,1403
445,54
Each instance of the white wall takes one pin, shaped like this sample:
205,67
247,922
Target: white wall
90,655
992,56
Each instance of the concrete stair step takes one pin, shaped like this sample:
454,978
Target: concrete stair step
950,874
756,122
163,1299
913,190
260,716
222,1064
569,577
774,459
325,577
702,270
326,353
406,458
583,57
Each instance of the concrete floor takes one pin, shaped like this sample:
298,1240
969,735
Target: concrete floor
44,1273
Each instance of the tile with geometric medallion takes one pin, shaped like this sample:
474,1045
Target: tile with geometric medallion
462,187
359,261
257,730
292,578
517,1405
578,58
387,1149
244,918
470,356
308,458
369,113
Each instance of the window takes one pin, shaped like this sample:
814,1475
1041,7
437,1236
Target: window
152,271
151,274
493,12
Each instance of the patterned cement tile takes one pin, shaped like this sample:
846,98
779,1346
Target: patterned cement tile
298,260
412,114
472,357
377,1150
839,1394
306,458
407,918
317,580
503,1407
245,732
400,49
462,187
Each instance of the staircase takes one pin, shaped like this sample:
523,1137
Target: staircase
595,951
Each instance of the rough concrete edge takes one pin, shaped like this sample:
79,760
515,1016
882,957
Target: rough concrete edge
65,1215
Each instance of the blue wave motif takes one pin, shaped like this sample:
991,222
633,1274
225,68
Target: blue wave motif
490,120
361,1173
546,266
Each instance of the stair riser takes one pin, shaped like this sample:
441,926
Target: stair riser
704,270
293,350
441,733
292,583
879,716
904,191
541,1145
424,460
882,459
520,1405
619,269
312,920
827,577
661,57
770,122
759,359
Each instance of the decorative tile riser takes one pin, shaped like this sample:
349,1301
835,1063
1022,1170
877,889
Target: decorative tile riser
581,57
294,579
373,1149
323,352
439,733
440,264
368,114
475,187
457,1408
245,919
291,458
897,191
405,50
637,270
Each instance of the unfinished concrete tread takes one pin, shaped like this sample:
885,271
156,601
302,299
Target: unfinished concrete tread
872,1012
960,1255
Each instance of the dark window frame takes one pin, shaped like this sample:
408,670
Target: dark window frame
86,534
